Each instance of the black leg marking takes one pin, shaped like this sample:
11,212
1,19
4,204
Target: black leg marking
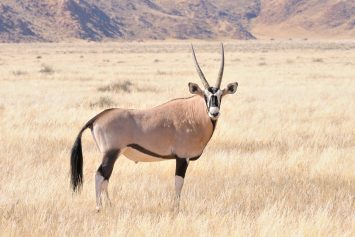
107,164
181,166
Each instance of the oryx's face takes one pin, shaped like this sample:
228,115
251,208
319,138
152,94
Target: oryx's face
212,95
213,98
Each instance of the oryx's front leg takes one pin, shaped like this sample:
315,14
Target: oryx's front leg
180,171
103,174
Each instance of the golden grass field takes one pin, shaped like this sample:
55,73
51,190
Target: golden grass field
281,162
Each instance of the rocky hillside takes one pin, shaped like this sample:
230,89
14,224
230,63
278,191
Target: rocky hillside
63,20
306,18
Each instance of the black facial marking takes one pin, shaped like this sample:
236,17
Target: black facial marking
212,89
214,101
214,122
107,164
194,88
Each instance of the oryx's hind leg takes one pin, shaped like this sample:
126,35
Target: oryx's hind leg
103,175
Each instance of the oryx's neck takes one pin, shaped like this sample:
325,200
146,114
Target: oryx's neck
192,109
188,112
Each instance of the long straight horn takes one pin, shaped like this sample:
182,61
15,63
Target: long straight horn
199,71
220,74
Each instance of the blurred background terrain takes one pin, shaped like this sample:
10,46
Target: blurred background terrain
68,20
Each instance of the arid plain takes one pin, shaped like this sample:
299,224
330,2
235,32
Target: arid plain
281,162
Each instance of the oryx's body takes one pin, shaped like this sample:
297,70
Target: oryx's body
179,129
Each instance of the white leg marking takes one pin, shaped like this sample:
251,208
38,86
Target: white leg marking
187,160
98,188
105,189
179,182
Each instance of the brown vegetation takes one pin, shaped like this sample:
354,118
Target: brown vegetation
281,162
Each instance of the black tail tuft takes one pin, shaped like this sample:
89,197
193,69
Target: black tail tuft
76,163
76,158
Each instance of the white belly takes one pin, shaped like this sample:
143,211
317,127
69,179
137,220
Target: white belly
137,156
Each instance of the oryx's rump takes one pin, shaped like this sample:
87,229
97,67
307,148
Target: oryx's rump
179,128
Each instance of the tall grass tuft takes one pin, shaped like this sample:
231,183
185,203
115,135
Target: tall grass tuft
125,86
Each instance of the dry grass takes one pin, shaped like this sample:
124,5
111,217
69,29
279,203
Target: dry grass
281,162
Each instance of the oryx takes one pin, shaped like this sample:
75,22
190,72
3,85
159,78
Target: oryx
179,129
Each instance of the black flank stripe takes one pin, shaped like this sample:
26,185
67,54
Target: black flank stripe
150,153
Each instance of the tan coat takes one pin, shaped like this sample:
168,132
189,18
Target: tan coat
179,128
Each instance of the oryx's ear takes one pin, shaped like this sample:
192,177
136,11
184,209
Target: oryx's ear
195,89
231,88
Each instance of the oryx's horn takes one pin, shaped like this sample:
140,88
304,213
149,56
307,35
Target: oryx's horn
199,71
220,74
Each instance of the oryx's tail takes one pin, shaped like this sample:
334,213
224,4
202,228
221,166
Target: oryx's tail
76,161
76,158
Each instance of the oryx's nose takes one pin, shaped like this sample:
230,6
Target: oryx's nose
215,114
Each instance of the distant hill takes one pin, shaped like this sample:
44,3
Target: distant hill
65,20
306,18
